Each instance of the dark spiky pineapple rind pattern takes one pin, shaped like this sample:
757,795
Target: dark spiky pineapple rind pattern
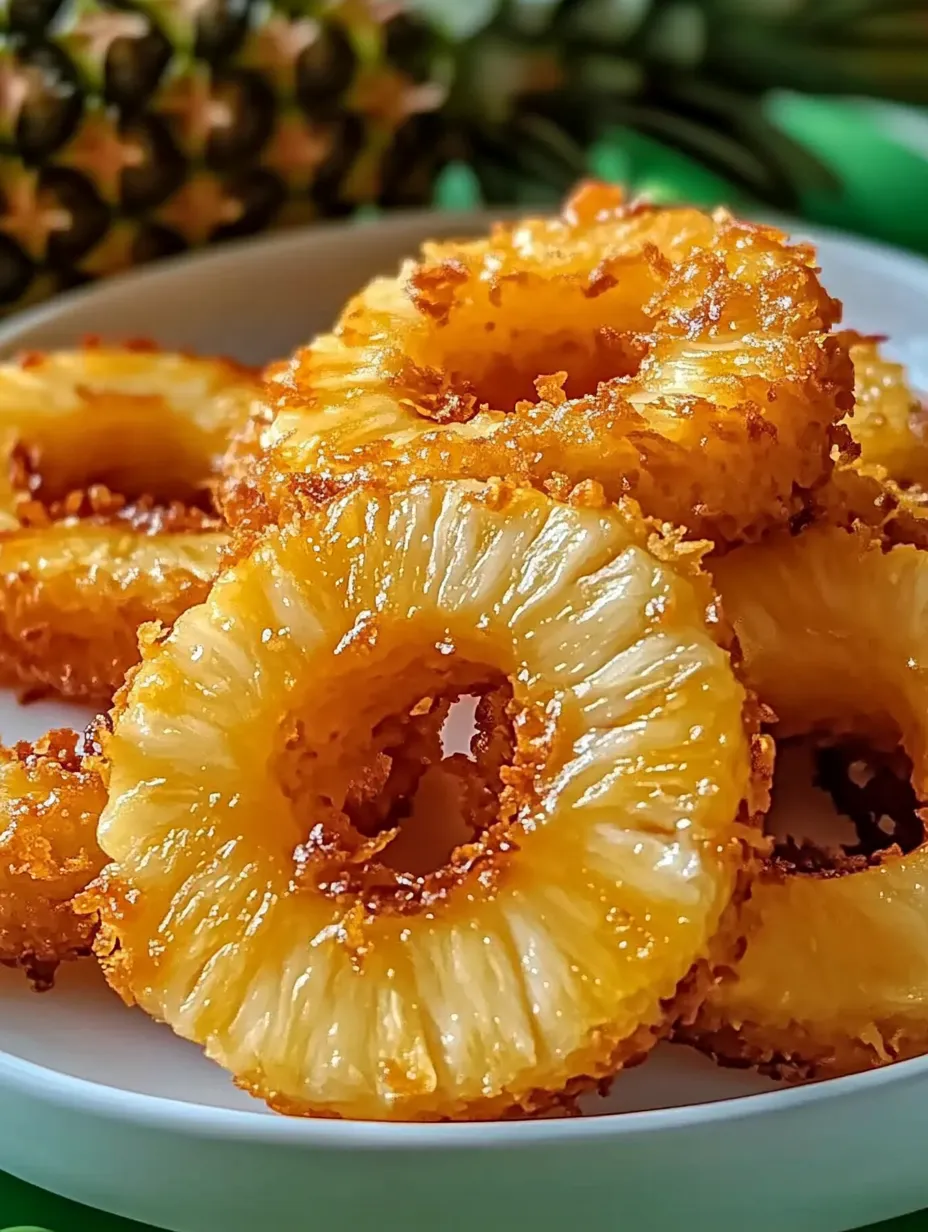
133,129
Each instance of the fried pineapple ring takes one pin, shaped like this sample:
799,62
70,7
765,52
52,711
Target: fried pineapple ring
50,804
681,357
140,421
835,978
79,571
243,907
75,592
889,420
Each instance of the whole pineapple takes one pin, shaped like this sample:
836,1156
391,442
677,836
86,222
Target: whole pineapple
137,130
133,129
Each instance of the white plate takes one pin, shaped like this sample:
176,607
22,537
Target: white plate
104,1106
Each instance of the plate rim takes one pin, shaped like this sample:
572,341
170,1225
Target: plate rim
249,247
252,248
195,1120
198,1121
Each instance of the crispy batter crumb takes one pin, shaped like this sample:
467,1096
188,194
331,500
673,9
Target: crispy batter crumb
613,358
49,806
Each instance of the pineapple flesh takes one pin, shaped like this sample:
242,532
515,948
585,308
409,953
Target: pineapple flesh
616,342
832,626
889,420
244,908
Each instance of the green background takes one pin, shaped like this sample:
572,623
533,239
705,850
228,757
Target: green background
22,1207
877,152
881,157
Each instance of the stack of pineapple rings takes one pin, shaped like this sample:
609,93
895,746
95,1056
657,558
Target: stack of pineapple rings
109,457
107,460
596,471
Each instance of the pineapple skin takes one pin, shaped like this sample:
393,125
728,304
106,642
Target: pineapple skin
835,976
134,131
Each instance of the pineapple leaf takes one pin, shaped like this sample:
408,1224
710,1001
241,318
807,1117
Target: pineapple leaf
612,22
550,141
842,47
457,22
534,148
744,117
838,15
891,73
727,155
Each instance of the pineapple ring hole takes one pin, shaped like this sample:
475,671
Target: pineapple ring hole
456,797
146,515
147,511
392,806
501,377
141,438
841,805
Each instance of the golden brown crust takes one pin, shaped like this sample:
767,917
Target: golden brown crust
859,496
49,807
81,565
797,1054
831,624
612,353
76,591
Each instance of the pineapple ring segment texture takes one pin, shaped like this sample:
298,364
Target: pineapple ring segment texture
890,423
835,977
80,570
680,357
244,909
50,803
